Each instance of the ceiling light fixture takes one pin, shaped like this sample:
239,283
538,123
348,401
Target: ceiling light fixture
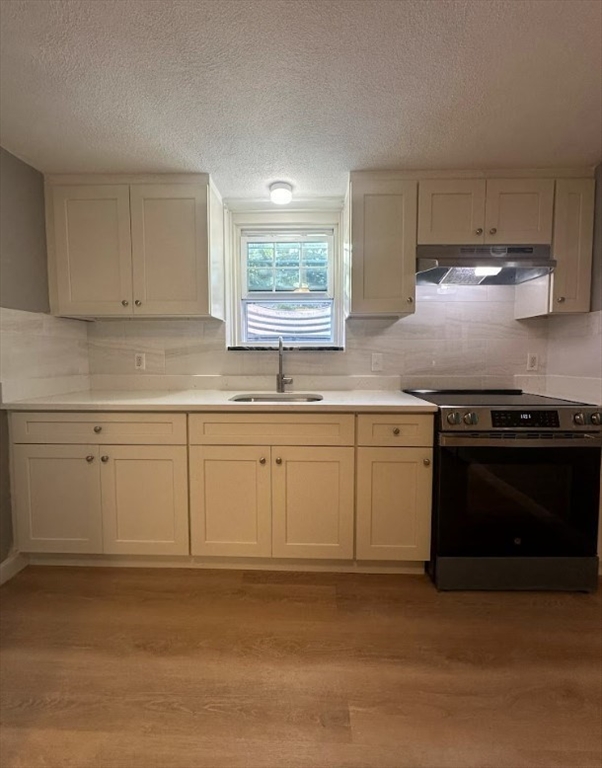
281,193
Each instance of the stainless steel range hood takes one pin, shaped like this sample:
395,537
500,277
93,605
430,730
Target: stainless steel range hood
482,264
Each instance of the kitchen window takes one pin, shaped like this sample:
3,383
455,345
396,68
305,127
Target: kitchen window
286,284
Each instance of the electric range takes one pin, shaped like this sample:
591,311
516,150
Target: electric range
516,491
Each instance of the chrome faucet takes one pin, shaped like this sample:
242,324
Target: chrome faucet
281,379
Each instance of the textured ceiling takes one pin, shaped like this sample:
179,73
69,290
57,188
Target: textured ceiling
257,90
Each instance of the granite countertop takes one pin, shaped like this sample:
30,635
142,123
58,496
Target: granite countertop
368,401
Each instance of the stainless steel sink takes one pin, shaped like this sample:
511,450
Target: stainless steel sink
277,397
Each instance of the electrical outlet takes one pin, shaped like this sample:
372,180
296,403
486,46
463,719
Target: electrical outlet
377,362
532,361
139,361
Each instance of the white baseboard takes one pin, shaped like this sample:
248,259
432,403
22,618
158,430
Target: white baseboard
234,563
11,566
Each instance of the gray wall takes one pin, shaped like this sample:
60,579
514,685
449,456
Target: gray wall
23,279
597,262
23,274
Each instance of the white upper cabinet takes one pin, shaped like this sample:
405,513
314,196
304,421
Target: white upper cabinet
451,211
568,288
383,244
91,248
519,211
478,211
570,283
170,265
169,249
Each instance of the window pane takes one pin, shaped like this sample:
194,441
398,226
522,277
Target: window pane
260,279
315,254
295,322
288,254
260,253
315,279
287,279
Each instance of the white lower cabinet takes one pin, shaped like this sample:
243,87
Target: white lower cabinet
56,495
230,501
312,504
394,491
285,486
144,500
111,499
278,501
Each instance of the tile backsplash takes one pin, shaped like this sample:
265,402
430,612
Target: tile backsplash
459,335
41,354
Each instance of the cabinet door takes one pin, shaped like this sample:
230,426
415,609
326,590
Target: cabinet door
451,211
394,492
572,245
56,491
90,240
144,500
383,235
519,211
230,501
169,248
312,511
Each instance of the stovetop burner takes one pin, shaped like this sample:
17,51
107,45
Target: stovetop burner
488,397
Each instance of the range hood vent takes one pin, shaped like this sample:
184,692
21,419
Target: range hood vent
482,265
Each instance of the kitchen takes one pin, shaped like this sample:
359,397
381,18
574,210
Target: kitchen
135,474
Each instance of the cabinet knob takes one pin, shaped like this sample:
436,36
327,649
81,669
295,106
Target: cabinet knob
104,459
561,299
278,460
492,231
138,303
89,459
396,431
125,302
410,300
479,231
97,429
426,462
262,460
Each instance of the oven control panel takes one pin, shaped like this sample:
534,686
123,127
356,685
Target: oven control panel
535,419
480,418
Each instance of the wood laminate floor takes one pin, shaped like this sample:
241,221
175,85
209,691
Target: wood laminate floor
117,668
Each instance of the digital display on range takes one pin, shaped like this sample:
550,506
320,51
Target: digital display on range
537,419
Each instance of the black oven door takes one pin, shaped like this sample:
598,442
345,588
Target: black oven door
515,500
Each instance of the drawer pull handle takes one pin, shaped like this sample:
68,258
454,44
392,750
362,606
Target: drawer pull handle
104,459
479,231
561,299
396,431
125,302
426,462
262,460
89,459
492,231
138,303
98,430
278,460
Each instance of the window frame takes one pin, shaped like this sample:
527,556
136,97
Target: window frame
242,225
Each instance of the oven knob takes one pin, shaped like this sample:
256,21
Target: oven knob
596,418
471,418
579,419
453,417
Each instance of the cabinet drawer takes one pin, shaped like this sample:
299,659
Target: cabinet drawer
395,430
273,429
100,428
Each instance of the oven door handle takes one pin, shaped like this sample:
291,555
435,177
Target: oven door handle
486,441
